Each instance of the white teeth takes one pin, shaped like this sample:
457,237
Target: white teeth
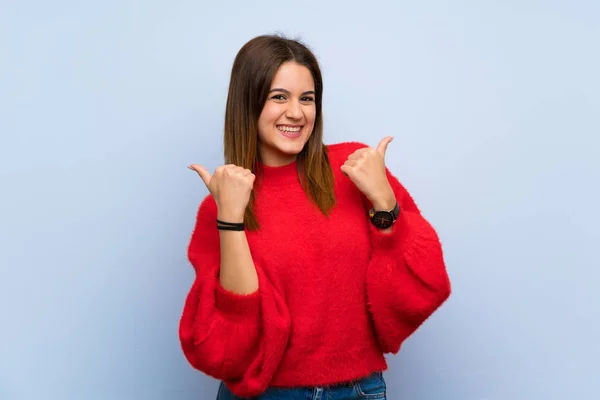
289,129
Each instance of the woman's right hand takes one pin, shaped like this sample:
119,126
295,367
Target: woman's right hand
230,186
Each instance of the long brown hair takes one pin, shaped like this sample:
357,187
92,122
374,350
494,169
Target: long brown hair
253,71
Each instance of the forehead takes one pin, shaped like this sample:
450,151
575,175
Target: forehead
291,75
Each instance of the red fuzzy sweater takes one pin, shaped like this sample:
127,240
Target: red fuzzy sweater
334,294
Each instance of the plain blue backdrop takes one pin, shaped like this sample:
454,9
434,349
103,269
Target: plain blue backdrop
495,107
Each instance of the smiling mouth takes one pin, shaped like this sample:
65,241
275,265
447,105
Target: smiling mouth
289,128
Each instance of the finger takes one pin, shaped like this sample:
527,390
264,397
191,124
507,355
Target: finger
232,170
346,170
204,174
351,163
382,146
358,153
226,166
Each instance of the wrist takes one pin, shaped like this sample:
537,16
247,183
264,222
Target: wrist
384,202
230,216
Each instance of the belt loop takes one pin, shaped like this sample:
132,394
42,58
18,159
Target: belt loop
317,393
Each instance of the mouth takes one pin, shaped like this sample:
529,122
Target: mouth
291,131
289,128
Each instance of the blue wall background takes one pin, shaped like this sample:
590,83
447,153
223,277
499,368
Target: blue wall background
495,109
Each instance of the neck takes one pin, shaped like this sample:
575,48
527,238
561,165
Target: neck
279,175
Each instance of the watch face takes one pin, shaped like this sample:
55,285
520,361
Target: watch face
382,219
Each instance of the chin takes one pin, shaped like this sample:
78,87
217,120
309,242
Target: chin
291,150
288,153
285,150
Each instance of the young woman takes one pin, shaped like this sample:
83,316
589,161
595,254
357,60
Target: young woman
311,260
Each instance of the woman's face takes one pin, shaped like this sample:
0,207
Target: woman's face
288,117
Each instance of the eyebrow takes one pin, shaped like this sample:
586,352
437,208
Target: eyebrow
288,92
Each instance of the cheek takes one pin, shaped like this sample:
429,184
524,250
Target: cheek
269,114
265,121
310,116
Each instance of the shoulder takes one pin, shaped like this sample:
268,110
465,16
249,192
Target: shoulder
341,150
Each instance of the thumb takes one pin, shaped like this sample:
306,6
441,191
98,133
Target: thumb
382,146
204,174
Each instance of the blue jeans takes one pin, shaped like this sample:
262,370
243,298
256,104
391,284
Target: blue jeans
371,387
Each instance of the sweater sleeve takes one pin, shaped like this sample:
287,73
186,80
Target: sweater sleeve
406,278
232,337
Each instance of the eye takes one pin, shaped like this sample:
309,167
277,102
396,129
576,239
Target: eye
307,99
278,97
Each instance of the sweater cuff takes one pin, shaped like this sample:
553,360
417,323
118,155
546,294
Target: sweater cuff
236,305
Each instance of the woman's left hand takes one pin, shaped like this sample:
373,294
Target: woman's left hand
366,169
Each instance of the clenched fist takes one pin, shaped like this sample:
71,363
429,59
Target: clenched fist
230,186
366,169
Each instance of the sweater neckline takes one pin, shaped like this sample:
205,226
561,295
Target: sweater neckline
281,175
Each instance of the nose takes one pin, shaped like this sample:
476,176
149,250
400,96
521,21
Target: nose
294,110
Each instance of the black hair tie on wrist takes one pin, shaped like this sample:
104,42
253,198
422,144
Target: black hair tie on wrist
230,226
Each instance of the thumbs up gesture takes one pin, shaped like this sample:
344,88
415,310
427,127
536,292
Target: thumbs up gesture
366,169
230,186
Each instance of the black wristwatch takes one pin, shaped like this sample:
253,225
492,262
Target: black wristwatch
384,219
